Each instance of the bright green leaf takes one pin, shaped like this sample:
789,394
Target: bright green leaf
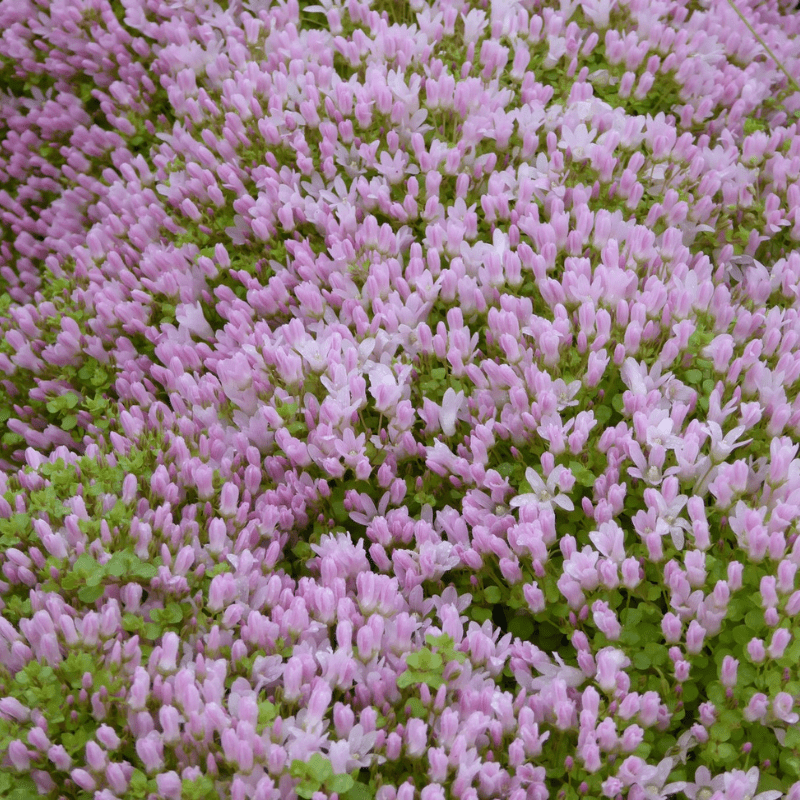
89,594
339,783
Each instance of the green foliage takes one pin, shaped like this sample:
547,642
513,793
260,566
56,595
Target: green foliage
317,774
428,665
200,788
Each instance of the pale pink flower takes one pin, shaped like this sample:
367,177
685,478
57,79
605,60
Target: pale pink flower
722,447
578,142
543,495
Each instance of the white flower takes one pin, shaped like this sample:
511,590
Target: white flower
543,494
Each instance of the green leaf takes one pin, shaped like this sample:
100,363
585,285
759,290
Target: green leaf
132,622
359,791
413,660
173,613
24,789
298,768
726,752
266,712
443,641
602,414
320,767
522,626
89,594
408,678
85,563
434,681
117,565
144,570
480,614
339,783
138,783
197,789
435,661
754,620
69,422
151,631
340,513
720,731
306,789
492,594
694,376
641,660
417,708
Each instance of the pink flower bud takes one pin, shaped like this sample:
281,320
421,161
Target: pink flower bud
632,738
708,714
116,779
682,669
729,670
169,718
416,737
83,779
11,708
771,617
694,637
229,500
150,750
631,575
107,736
534,597
786,575
757,707
606,620
672,628
60,758
780,641
782,708
129,487
735,572
769,596
170,785
204,480
18,755
755,649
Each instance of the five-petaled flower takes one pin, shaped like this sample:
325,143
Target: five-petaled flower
543,495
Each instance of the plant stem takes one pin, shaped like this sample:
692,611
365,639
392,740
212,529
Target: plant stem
764,45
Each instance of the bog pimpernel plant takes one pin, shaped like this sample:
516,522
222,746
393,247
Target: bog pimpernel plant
399,399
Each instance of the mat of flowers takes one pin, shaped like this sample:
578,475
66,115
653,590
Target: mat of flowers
399,400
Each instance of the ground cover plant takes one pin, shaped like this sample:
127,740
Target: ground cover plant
399,400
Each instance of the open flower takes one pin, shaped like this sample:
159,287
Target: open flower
578,142
543,495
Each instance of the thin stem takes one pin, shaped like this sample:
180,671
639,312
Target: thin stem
764,45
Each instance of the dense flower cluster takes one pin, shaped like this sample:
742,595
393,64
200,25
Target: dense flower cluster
400,399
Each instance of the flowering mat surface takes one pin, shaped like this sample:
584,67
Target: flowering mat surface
399,400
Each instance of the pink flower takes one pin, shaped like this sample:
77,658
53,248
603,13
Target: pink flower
728,675
578,142
606,620
609,663
782,708
544,494
722,447
610,541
